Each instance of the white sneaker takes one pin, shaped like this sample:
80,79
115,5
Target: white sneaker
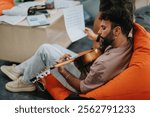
19,86
10,71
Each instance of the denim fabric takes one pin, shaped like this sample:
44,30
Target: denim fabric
47,55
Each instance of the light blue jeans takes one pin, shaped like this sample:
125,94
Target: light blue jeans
47,55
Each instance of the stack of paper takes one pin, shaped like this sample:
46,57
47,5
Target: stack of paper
74,22
13,20
17,13
21,9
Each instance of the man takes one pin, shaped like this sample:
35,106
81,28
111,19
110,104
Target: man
113,34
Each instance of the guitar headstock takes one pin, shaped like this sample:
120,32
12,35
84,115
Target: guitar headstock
41,75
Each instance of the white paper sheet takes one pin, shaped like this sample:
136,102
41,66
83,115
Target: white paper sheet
74,22
13,20
65,3
21,9
17,13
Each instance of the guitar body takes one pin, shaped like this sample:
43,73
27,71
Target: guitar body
90,56
84,62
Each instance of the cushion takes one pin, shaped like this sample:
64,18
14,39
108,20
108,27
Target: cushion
55,88
133,83
6,4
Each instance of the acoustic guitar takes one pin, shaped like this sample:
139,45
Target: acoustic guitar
83,59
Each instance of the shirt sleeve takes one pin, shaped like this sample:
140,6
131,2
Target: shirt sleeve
94,79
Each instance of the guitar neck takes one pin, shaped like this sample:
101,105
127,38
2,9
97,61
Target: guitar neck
63,63
71,60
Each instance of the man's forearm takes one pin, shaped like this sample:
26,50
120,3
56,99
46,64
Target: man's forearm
71,79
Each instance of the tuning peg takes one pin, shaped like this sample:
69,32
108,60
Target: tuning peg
48,71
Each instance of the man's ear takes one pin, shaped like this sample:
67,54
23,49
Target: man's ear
117,31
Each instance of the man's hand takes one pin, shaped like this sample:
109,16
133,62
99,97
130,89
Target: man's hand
90,34
65,57
70,78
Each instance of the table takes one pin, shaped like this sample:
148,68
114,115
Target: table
19,42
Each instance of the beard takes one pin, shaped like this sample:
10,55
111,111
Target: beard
106,41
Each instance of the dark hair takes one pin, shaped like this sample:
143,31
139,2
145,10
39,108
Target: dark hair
127,4
118,17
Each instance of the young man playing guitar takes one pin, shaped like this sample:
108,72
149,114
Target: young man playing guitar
115,26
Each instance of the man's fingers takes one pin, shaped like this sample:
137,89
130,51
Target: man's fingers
87,29
68,55
65,57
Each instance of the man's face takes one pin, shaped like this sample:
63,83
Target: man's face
106,33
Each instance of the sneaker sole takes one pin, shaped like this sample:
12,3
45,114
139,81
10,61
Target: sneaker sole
28,89
8,74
